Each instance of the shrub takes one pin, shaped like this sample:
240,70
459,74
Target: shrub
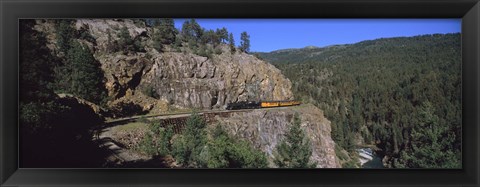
218,50
138,45
157,140
192,141
150,92
193,149
148,145
226,152
85,35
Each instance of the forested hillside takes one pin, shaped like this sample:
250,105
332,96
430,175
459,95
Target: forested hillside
401,94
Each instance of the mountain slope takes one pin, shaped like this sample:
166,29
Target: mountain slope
386,92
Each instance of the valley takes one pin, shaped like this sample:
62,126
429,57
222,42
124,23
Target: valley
143,93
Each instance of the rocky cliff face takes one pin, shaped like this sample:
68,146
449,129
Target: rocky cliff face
198,82
266,128
185,80
180,79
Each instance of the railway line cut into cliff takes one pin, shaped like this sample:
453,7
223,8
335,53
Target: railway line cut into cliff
263,128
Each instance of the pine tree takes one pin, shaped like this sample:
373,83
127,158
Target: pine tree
224,151
192,32
81,75
244,42
294,150
65,34
125,42
187,147
222,34
157,42
157,140
231,43
165,31
35,81
431,143
210,37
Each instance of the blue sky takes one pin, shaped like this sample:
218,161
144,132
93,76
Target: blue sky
273,34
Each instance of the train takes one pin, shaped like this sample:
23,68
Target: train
260,104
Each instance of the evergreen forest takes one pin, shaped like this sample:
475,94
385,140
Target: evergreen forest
400,95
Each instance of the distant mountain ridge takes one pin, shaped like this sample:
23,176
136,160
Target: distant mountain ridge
294,55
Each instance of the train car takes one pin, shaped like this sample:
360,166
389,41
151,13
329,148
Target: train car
289,103
270,104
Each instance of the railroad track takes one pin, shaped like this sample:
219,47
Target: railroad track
174,115
177,120
121,155
205,113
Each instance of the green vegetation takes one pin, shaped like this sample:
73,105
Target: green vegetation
65,33
204,42
223,151
222,34
84,34
126,44
37,99
165,33
294,150
401,94
191,32
193,37
149,91
431,145
157,140
77,73
188,146
231,43
195,147
197,38
81,75
345,159
244,42
51,129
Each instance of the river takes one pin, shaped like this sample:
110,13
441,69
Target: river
369,159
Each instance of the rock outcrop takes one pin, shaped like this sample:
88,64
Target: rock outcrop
180,79
192,81
91,107
266,128
79,114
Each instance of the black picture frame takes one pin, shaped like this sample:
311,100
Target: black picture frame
12,10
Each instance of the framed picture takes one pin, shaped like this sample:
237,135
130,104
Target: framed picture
239,93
